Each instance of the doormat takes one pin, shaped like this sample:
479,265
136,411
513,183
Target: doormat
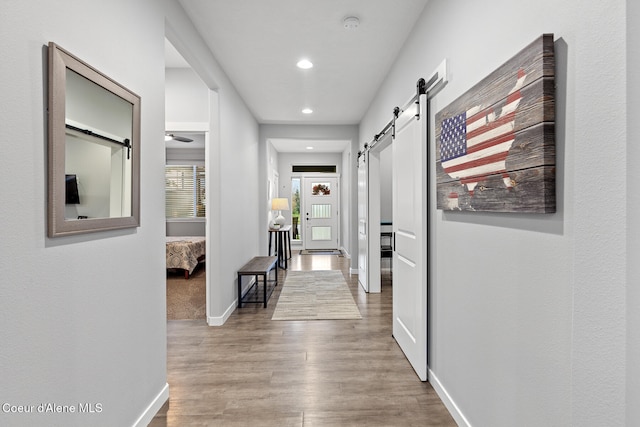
315,295
320,252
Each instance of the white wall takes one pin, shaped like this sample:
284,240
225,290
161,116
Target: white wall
187,97
239,183
527,312
633,215
232,169
83,317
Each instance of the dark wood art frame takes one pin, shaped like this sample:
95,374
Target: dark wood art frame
495,144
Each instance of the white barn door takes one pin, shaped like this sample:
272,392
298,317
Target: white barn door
363,232
409,227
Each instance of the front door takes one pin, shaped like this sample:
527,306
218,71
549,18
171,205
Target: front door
321,212
410,228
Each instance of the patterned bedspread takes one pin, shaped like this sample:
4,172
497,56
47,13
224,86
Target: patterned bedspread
183,252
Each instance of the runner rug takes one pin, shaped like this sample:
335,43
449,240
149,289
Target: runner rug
315,295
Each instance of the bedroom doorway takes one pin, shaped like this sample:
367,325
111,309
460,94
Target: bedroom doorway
186,216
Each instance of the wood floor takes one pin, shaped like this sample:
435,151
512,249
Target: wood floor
257,372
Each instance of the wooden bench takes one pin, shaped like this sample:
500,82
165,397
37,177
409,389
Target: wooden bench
258,266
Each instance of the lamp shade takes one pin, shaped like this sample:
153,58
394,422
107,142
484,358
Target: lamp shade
280,204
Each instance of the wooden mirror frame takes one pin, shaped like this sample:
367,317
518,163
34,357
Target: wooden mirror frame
59,61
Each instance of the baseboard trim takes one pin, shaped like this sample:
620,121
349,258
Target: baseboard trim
220,320
153,408
345,253
451,406
348,256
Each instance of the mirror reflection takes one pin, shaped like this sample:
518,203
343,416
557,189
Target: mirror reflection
97,164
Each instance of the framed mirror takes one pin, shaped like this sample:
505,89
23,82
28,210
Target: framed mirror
93,149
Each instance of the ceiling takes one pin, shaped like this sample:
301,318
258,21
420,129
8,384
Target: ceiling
258,44
310,146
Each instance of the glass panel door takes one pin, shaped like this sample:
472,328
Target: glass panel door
320,213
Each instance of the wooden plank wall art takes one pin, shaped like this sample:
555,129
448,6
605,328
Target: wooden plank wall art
495,145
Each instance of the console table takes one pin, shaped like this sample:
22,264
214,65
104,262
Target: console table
282,244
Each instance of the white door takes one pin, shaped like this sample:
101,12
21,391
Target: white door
320,212
363,245
374,276
409,227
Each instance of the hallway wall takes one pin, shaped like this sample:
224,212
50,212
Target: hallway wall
633,214
527,323
83,317
186,97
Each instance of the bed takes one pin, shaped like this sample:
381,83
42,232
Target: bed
185,252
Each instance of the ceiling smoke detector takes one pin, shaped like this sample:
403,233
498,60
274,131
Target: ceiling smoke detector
351,23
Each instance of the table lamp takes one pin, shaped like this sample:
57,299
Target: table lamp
279,205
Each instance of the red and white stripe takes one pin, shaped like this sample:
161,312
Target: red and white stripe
489,139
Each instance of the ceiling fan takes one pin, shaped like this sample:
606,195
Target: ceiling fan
170,136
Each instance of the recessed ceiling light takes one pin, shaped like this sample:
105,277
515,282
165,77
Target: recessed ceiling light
309,148
307,111
305,64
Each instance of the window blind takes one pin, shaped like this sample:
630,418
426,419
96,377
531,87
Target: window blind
185,191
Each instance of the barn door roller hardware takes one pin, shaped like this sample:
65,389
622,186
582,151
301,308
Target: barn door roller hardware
126,143
429,87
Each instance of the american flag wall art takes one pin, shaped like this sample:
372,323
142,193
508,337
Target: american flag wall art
495,145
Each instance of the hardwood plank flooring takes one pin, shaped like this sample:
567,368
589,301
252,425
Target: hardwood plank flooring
253,371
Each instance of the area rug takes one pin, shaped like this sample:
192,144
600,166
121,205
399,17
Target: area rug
321,252
186,298
315,295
